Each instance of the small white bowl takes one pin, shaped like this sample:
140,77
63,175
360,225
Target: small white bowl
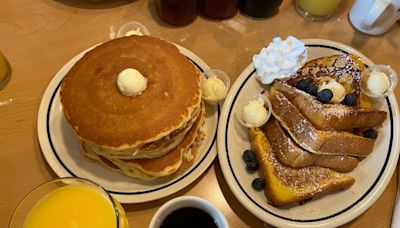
245,101
188,201
390,73
132,26
220,75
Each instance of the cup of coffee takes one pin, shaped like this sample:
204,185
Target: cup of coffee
188,211
374,17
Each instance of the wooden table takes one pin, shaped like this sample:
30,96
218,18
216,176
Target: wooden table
40,36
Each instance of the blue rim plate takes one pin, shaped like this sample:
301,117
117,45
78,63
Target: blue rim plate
61,149
372,174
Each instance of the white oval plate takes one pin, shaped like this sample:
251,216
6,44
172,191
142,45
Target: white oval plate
61,149
372,174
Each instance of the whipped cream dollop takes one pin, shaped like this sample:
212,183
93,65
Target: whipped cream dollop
131,82
338,90
280,60
255,113
213,87
378,82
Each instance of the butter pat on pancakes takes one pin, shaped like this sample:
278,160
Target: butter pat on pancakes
132,98
131,82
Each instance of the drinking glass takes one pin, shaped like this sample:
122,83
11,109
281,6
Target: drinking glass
221,9
316,10
177,12
5,71
260,8
53,195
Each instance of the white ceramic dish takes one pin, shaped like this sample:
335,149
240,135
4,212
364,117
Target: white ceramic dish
188,201
246,100
61,149
372,174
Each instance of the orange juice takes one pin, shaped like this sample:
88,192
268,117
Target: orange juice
73,206
320,8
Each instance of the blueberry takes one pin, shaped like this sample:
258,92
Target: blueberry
302,84
370,133
312,89
350,99
248,156
324,95
252,166
258,184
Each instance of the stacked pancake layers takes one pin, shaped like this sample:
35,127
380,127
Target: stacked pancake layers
153,134
305,148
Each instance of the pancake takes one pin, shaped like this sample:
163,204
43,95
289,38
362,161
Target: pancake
100,114
180,158
148,150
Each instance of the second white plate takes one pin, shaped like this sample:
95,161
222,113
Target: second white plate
372,174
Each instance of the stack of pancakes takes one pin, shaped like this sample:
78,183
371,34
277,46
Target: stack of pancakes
154,134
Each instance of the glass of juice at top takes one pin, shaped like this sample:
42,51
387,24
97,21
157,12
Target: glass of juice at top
316,10
69,202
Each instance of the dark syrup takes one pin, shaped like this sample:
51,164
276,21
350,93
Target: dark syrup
188,217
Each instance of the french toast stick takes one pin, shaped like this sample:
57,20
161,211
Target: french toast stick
288,153
345,69
331,116
286,185
311,139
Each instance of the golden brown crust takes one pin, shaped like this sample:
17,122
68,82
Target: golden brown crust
346,69
288,153
154,165
312,139
169,165
331,116
286,185
99,113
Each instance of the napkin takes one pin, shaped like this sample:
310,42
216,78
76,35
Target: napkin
396,212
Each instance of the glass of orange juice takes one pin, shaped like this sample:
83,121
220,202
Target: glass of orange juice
5,71
316,10
69,202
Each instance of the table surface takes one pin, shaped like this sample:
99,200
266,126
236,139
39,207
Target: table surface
39,36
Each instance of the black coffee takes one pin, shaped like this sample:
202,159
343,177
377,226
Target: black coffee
189,217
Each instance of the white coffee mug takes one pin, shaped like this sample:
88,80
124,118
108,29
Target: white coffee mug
374,16
188,201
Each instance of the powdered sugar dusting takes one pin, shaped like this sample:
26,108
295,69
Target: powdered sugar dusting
311,177
342,68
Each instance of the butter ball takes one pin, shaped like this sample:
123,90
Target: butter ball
338,91
213,87
254,113
378,82
131,82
